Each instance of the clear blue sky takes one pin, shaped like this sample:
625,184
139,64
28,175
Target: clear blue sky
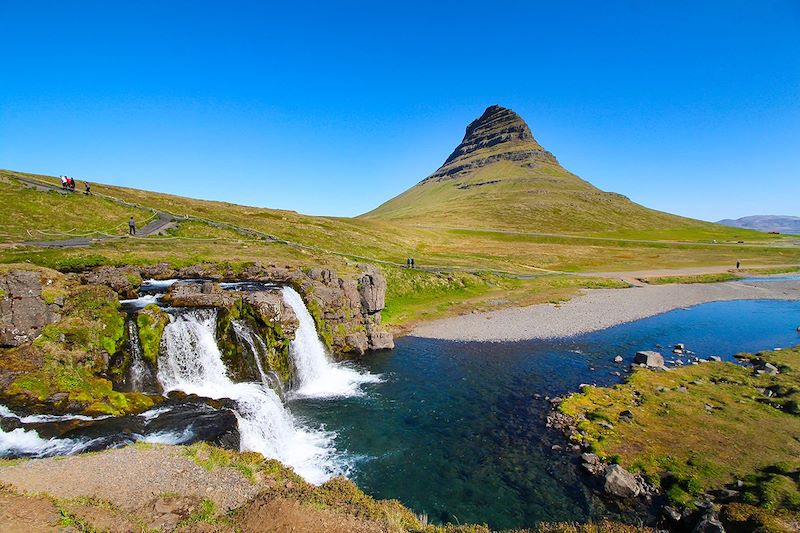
690,107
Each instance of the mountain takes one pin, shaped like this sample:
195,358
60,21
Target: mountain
500,177
781,224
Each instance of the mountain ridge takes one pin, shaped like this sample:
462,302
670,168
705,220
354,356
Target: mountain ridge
768,223
499,176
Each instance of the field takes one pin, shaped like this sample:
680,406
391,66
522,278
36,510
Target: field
458,269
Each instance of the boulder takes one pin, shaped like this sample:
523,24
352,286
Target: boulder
649,359
23,312
620,483
716,358
618,359
709,523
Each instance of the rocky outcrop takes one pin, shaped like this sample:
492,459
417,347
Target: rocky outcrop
347,310
124,281
23,310
502,135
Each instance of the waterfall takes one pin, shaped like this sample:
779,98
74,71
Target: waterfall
138,372
318,376
258,349
192,363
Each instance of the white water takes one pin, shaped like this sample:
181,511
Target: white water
142,301
138,370
192,363
27,442
5,412
257,348
317,375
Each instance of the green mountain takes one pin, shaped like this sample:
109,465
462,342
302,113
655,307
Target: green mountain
500,177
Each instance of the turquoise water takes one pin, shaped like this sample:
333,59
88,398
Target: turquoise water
776,278
456,432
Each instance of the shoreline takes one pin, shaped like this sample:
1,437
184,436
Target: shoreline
595,310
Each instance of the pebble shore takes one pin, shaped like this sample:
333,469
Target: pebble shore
597,309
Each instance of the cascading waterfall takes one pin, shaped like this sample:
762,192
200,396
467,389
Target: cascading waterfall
138,372
192,363
317,375
257,349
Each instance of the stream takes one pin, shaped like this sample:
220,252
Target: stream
455,430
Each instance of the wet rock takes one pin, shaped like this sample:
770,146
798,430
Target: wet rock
23,312
618,359
671,514
620,483
649,359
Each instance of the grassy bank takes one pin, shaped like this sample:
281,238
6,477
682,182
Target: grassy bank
414,296
698,278
700,428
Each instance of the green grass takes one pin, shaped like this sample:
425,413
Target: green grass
743,435
699,278
770,271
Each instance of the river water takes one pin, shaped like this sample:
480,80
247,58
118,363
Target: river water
455,430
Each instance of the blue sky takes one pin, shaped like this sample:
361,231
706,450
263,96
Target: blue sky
332,108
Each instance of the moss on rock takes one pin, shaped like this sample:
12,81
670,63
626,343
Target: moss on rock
151,322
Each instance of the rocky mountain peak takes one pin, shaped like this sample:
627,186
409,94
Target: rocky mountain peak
496,125
498,134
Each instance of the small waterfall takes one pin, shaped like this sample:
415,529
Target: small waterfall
192,363
257,349
137,373
317,375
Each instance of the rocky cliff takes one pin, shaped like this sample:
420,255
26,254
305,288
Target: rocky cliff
499,134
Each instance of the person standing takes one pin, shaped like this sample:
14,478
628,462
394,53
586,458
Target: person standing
131,227
412,262
737,265
88,188
64,183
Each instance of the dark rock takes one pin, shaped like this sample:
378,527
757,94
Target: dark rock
626,416
671,514
620,483
709,523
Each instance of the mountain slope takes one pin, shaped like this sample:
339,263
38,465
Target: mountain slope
500,177
782,224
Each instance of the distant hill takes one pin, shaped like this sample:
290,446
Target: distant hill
782,224
500,177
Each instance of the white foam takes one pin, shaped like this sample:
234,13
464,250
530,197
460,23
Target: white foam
317,375
193,364
28,443
42,419
169,437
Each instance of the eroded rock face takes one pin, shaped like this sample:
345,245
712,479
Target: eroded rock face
23,311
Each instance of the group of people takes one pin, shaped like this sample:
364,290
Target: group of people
68,184
410,262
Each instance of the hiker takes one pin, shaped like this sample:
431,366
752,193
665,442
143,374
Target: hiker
64,182
72,184
737,265
408,262
131,227
412,262
88,188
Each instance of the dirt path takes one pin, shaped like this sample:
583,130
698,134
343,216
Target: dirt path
597,309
